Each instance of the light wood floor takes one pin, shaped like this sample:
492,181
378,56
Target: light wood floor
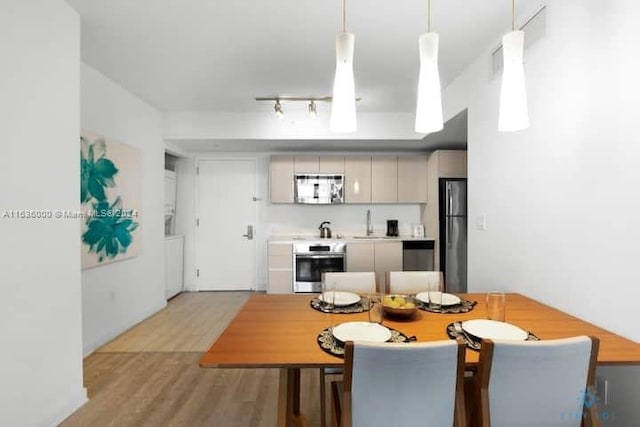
149,376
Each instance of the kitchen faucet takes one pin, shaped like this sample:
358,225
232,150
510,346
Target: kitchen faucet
369,226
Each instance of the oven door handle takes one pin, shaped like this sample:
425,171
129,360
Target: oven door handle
319,256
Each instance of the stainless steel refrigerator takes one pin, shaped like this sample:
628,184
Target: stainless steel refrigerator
453,233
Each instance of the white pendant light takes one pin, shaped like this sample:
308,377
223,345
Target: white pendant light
343,107
514,114
429,106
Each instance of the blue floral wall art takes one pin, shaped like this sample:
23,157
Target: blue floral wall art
110,179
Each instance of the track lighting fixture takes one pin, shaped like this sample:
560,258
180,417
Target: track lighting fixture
278,109
313,110
312,100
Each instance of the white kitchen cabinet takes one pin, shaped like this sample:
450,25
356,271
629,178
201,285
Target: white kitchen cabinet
357,179
306,164
281,179
377,179
379,257
384,179
360,256
173,265
280,268
412,179
388,257
331,164
452,163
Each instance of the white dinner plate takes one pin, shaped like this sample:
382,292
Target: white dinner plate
361,331
492,329
447,299
341,298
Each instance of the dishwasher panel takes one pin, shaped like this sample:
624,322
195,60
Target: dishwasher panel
417,255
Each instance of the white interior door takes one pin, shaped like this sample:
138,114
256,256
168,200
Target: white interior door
226,213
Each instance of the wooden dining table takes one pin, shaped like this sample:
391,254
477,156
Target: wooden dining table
280,331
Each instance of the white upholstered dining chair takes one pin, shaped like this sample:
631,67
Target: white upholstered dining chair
417,384
361,283
414,282
538,383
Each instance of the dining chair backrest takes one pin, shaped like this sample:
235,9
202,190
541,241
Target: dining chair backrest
361,283
413,384
538,383
356,282
414,282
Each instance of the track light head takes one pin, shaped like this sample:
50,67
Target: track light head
278,109
313,109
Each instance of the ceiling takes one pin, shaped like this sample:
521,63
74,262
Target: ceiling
217,56
452,137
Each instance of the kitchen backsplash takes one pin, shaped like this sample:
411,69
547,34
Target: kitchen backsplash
347,219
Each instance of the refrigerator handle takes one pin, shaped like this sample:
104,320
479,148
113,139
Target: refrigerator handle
449,212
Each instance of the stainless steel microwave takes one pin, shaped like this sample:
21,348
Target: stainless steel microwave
318,189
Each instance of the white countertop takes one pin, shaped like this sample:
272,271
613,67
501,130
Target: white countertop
346,238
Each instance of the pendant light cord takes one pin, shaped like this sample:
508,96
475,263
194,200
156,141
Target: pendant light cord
344,16
429,16
513,15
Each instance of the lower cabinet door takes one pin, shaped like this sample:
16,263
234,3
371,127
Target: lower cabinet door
388,257
360,256
280,282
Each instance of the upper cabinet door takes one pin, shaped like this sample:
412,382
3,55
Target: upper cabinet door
306,164
281,179
332,164
452,164
384,179
412,179
357,179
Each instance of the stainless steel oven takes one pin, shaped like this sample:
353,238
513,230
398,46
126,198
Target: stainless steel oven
311,259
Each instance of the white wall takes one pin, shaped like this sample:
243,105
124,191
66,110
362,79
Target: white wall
280,219
561,198
295,125
40,318
118,295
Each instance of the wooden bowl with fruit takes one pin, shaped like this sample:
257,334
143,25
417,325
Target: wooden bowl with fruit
399,306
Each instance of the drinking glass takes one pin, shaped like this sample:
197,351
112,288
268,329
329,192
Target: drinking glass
373,304
435,296
435,300
328,300
496,306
